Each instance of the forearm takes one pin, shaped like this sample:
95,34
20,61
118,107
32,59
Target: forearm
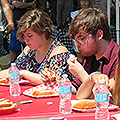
85,90
58,18
30,76
82,75
7,11
22,5
59,9
4,73
77,70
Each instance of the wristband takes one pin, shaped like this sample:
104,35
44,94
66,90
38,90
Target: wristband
91,75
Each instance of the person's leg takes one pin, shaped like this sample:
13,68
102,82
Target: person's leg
4,57
14,46
13,55
5,61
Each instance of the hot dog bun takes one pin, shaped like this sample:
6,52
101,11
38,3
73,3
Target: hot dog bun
84,105
5,103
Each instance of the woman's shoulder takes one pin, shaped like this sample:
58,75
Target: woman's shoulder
58,49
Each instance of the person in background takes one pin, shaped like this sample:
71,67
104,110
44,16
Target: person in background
64,7
53,14
19,8
42,53
63,10
91,33
102,5
9,28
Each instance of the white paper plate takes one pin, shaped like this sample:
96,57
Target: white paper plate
50,86
22,81
111,107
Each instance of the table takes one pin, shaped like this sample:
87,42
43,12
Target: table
39,109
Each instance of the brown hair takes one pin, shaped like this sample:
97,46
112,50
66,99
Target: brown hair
116,90
90,20
38,21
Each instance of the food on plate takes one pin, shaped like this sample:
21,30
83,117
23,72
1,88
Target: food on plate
84,105
3,80
41,93
5,103
50,74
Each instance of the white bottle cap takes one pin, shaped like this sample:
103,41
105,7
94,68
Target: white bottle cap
101,81
64,75
13,64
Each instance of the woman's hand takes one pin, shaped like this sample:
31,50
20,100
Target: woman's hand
48,75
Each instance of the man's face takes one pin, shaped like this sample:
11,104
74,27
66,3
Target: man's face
86,44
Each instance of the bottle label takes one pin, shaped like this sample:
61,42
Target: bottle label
65,89
101,97
14,76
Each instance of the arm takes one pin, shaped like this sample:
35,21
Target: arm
9,16
86,90
4,73
22,5
59,9
34,78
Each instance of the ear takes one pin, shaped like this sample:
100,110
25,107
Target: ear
99,35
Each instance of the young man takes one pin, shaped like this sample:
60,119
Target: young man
91,33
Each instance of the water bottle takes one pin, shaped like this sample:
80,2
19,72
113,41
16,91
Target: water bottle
14,76
65,106
102,101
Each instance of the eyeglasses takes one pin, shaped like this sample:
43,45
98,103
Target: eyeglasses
81,39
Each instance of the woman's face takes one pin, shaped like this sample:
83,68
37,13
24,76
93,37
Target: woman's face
32,39
84,4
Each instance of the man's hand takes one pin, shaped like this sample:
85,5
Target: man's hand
9,28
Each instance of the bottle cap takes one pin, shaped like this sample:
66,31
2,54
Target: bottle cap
13,64
64,75
101,81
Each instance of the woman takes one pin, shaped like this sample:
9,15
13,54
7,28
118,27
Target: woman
42,51
84,4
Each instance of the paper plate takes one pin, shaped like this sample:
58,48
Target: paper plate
22,81
111,107
51,86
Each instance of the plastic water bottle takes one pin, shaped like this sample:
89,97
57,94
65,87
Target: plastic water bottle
14,76
65,106
102,101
